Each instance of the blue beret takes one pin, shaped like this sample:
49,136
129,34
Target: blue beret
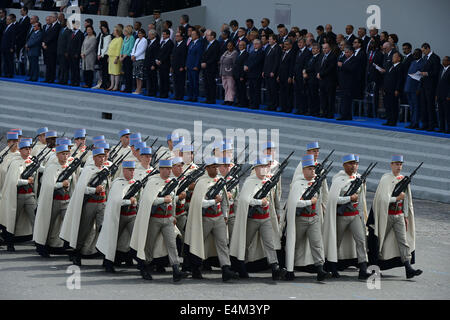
129,164
102,137
27,139
357,158
102,145
134,142
80,133
177,160
24,144
211,160
98,151
187,148
19,131
312,145
41,130
140,145
62,148
225,160
165,163
51,134
308,157
135,135
12,136
397,158
123,132
172,136
269,145
260,162
308,163
145,150
348,158
226,146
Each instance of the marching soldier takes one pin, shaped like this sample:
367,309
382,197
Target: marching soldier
256,233
52,205
18,202
344,227
143,167
86,207
304,224
12,140
180,200
120,214
41,141
232,195
167,152
206,230
393,223
154,232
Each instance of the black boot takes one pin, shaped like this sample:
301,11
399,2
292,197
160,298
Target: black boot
129,259
242,270
227,274
177,274
277,273
145,270
334,272
10,247
410,272
77,258
196,273
363,275
42,250
290,276
109,266
322,274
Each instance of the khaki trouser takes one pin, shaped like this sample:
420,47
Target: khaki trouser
59,208
397,222
91,212
310,227
181,223
231,220
356,227
126,224
218,228
26,204
166,227
264,226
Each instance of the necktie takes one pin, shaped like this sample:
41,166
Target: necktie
391,68
284,55
323,60
371,56
73,34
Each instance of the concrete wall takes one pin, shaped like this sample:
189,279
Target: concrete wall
414,21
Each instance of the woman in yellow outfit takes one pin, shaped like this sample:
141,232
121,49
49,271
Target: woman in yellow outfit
114,64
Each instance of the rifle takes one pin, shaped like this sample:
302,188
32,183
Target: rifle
217,187
234,181
33,166
321,166
154,142
35,140
65,175
169,187
64,133
138,185
356,184
76,150
2,157
112,154
111,171
152,163
236,157
317,184
1,138
403,184
272,182
191,178
145,140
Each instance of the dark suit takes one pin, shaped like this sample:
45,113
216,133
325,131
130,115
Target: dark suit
350,40
179,55
51,41
2,29
374,78
348,75
164,54
251,29
33,44
64,36
238,73
301,101
392,82
7,49
267,30
255,64
312,84
428,86
74,51
271,65
319,39
22,28
285,72
361,58
223,46
406,62
151,55
443,94
211,57
193,59
327,84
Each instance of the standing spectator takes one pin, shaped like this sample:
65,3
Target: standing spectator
373,33
167,24
361,57
123,8
114,64
137,27
406,62
29,4
104,8
224,39
158,22
443,96
327,76
150,63
412,88
301,59
374,76
311,81
270,71
61,53
250,37
349,37
33,48
89,56
138,58
234,25
428,84
254,68
163,63
195,50
329,32
241,37
184,22
89,6
30,31
104,40
7,47
393,39
50,46
320,34
74,51
125,58
285,77
136,8
179,55
240,76
392,86
265,26
348,74
226,72
362,34
113,4
22,27
384,37
2,29
250,26
210,59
